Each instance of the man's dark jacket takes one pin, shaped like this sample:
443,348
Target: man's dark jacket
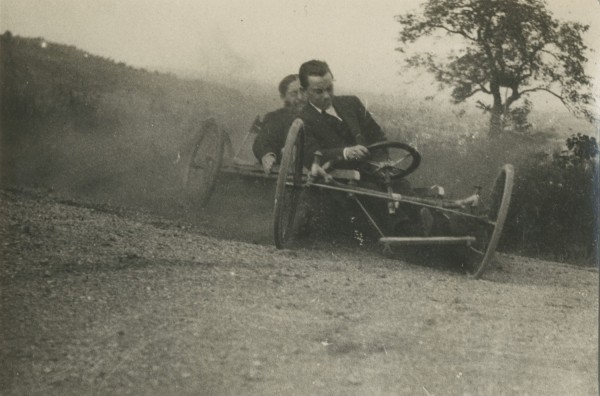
273,132
325,133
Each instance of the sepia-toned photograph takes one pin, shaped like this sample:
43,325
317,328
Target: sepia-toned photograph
299,197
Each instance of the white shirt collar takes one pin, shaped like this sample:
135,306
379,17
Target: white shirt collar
330,110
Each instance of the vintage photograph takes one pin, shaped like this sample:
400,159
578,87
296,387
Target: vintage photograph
299,197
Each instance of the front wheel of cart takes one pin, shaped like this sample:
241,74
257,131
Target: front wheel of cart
488,231
205,161
289,187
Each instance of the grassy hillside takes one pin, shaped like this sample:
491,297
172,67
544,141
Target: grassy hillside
86,125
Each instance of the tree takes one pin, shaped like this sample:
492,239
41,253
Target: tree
512,44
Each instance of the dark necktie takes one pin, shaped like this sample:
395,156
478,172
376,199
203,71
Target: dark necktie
338,126
330,117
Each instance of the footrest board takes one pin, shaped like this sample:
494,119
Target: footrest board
439,240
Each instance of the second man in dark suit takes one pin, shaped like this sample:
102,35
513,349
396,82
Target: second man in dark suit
272,131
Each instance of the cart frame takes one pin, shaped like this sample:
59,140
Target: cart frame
485,217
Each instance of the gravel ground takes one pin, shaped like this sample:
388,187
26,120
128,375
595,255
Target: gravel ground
100,301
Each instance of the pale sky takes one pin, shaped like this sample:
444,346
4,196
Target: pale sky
262,40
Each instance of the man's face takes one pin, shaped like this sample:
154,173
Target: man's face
293,97
320,90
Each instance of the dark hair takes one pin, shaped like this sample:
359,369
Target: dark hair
312,68
285,83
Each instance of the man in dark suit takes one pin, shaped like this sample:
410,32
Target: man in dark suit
272,131
339,127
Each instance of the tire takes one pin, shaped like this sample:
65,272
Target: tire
488,234
204,163
289,187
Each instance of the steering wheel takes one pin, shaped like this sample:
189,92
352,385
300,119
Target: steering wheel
392,160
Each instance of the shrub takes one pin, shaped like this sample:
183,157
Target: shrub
553,209
554,205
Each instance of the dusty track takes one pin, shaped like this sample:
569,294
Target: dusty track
97,302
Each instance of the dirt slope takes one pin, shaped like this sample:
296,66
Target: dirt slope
108,303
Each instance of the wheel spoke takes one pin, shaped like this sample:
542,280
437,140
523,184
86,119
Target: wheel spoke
377,165
471,248
396,163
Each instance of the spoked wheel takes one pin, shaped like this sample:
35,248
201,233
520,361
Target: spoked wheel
206,159
289,187
487,234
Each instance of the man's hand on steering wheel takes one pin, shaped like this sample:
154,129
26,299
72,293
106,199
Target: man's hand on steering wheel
354,153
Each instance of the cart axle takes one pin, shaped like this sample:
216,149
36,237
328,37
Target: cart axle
442,240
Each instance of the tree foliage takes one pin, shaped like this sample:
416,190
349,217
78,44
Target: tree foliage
513,44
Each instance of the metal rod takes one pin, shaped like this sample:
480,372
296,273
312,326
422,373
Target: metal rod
442,240
250,132
400,198
366,212
477,251
245,172
252,170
